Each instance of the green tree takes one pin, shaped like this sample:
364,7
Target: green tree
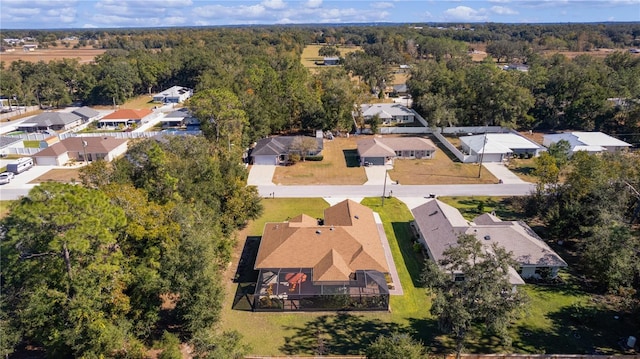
394,346
220,114
328,51
64,272
484,296
547,171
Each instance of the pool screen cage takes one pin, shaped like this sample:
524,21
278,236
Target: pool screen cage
292,289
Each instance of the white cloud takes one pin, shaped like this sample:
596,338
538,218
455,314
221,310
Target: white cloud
314,4
500,1
465,13
382,5
274,4
503,10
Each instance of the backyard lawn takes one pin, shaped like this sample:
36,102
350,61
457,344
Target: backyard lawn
561,318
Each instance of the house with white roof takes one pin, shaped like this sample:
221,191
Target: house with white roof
496,147
175,94
592,142
389,113
438,226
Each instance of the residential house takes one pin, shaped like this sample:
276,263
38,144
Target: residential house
7,142
125,118
592,142
175,94
51,121
496,147
176,118
438,226
383,150
335,263
86,113
276,150
29,47
87,149
389,113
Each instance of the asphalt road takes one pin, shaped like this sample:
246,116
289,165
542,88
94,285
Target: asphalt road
396,190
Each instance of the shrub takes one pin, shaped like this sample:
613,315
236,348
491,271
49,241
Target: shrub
315,158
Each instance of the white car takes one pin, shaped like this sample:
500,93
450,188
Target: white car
6,177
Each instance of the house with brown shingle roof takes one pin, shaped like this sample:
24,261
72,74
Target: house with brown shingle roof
439,225
335,263
382,150
125,118
81,149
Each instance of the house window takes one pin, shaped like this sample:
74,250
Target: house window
399,153
412,153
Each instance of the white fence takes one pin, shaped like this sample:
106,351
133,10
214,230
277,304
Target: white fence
25,151
464,131
456,152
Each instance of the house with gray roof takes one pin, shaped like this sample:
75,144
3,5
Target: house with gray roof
7,142
439,225
276,150
591,142
389,113
87,113
383,150
55,121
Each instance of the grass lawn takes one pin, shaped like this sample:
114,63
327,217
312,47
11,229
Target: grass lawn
471,207
65,175
338,167
297,333
31,143
561,318
310,54
523,168
140,102
444,168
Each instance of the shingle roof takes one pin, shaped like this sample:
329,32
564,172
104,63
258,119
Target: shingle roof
86,112
386,146
128,114
441,224
47,119
385,110
75,144
348,241
6,141
277,145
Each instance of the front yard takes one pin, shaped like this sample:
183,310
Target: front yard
561,318
340,167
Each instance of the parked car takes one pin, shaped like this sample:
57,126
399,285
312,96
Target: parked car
6,177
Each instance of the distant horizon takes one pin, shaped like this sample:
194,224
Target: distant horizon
138,14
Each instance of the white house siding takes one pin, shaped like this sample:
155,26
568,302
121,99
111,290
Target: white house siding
116,152
265,160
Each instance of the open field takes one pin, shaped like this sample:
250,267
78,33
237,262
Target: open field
84,55
310,54
561,318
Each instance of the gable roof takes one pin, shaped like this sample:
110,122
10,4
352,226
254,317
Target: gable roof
587,141
278,145
498,143
128,114
387,146
385,110
441,224
175,91
47,119
81,144
86,112
348,241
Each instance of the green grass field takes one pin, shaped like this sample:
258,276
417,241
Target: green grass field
561,318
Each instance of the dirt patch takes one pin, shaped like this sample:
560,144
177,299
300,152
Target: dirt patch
84,55
64,175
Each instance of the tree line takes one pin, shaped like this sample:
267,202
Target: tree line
138,250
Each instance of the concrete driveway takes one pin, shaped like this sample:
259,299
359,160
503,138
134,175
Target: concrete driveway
502,172
261,175
19,185
376,175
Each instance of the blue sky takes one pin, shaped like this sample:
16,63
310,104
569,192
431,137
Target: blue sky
40,14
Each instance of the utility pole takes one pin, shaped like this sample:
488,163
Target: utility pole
84,148
484,143
384,187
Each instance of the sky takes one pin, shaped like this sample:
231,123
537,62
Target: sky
56,14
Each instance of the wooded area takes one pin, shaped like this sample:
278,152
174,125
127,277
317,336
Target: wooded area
132,258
